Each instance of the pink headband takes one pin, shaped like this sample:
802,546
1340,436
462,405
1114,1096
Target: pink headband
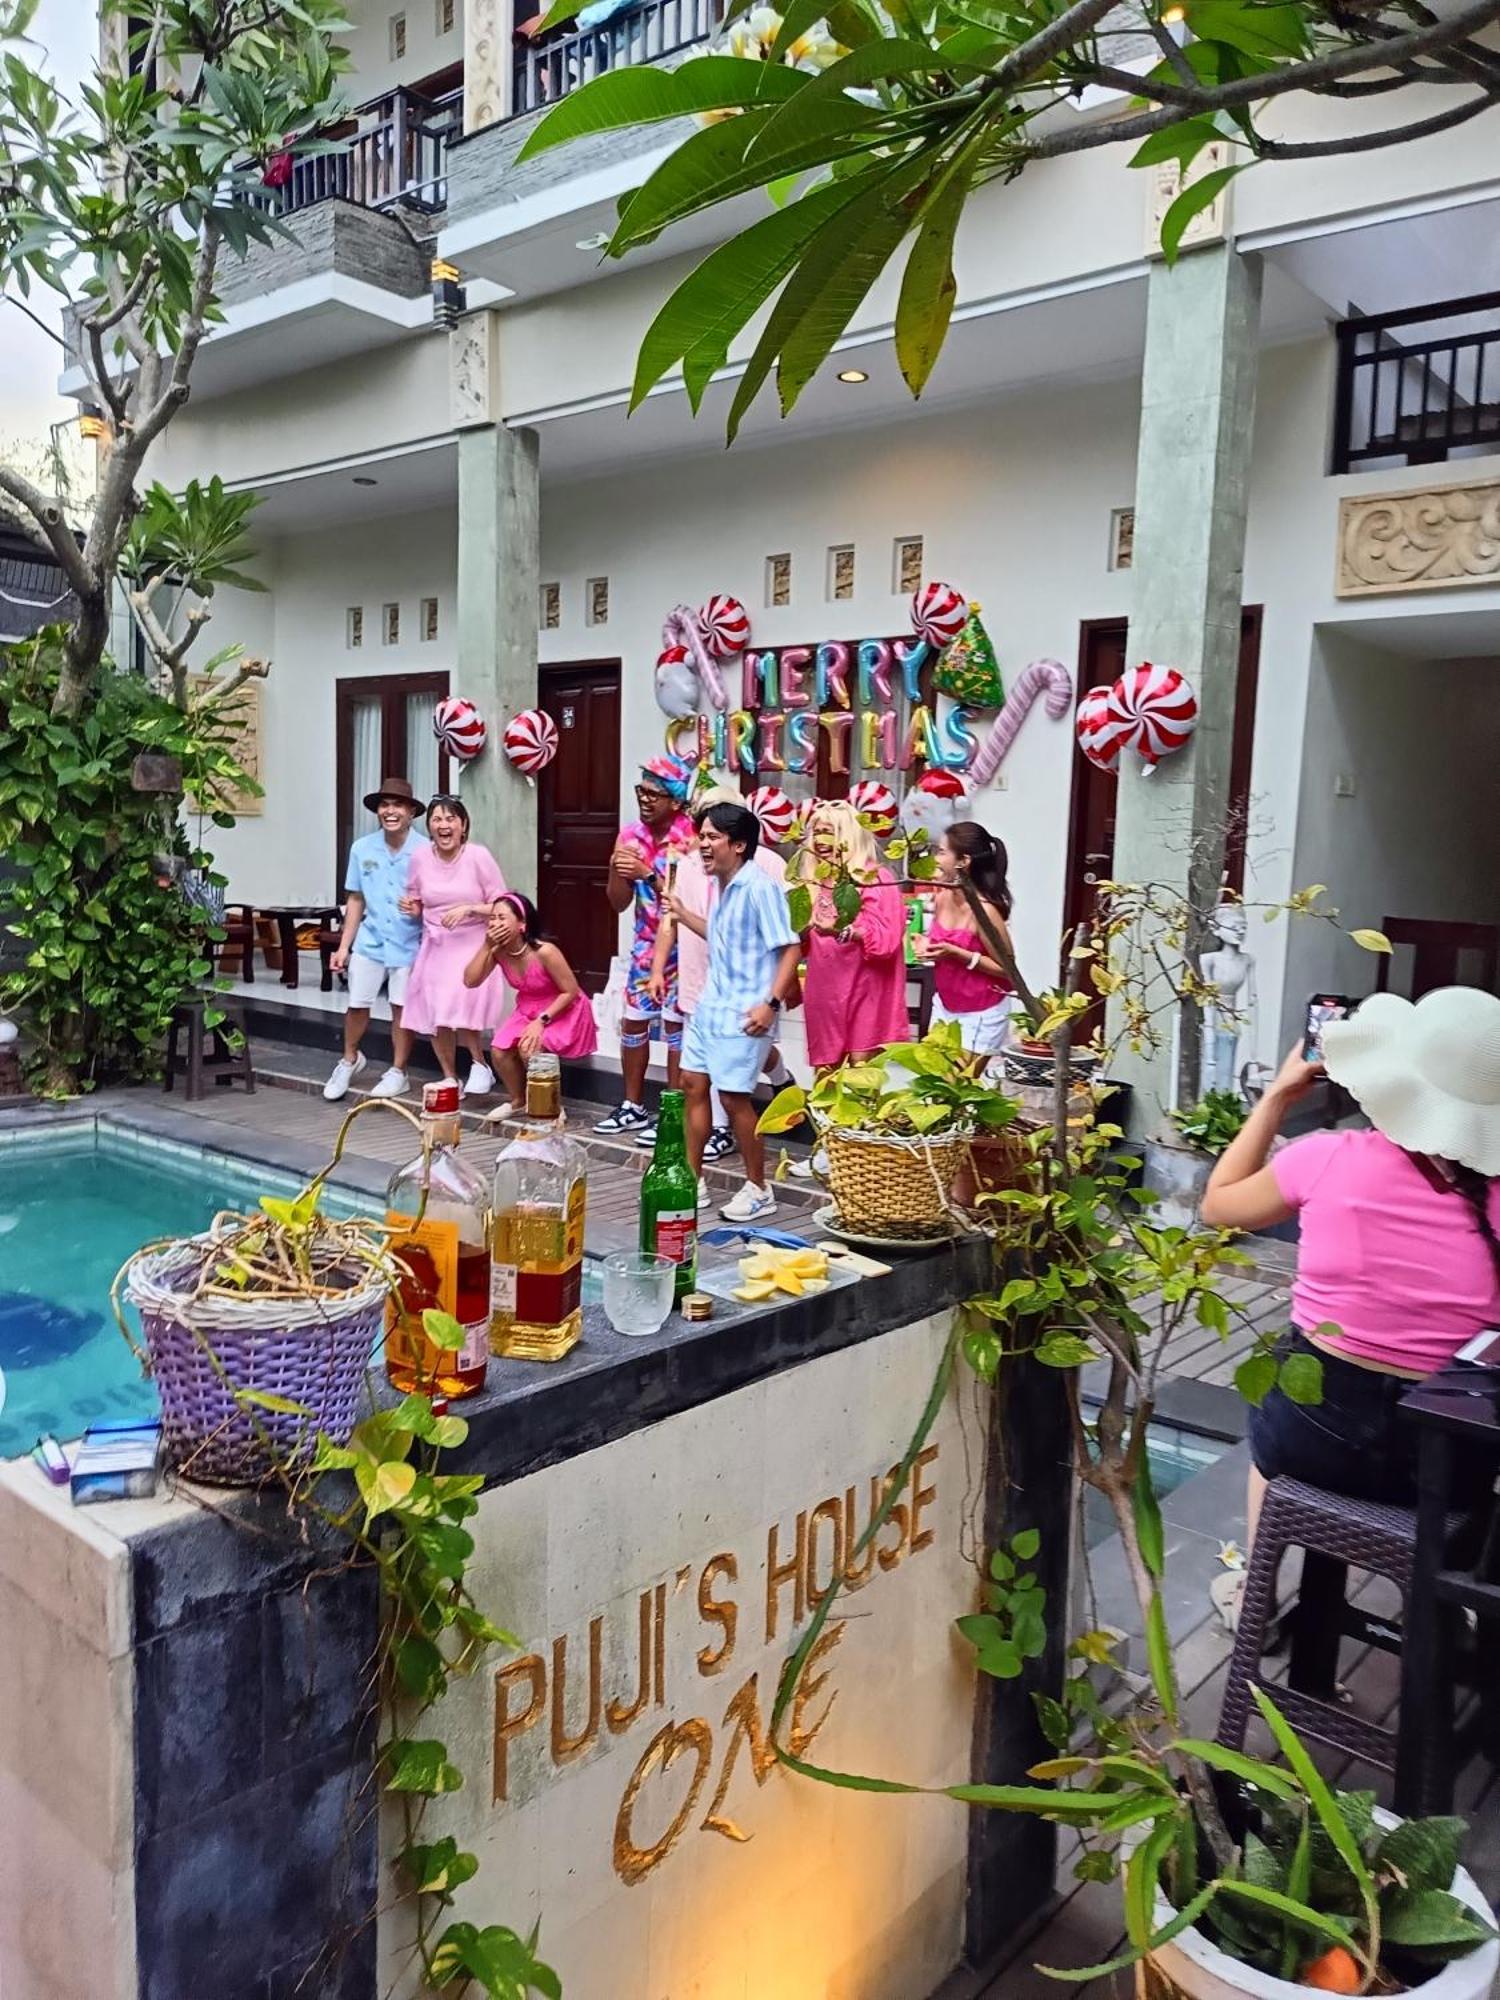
515,902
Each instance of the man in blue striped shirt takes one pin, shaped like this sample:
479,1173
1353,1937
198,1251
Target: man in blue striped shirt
752,966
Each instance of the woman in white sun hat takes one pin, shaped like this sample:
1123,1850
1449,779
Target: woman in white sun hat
1398,1258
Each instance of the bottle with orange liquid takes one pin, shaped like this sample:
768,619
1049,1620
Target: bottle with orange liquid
439,1210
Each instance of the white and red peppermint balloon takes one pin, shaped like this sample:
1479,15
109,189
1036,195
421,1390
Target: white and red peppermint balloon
1157,707
1100,737
938,614
726,626
459,727
775,811
531,740
877,805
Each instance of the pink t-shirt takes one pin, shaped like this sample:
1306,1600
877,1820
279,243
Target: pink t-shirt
698,892
1397,1264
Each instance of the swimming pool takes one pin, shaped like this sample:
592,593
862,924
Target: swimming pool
75,1200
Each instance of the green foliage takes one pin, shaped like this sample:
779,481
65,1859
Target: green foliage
196,538
1210,1124
1012,1629
108,944
910,1089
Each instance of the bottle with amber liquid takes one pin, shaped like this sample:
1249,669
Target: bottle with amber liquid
439,1212
536,1275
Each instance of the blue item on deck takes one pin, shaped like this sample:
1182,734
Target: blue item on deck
784,1239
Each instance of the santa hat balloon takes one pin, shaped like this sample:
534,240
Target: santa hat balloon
459,727
531,741
876,805
1155,709
933,803
677,692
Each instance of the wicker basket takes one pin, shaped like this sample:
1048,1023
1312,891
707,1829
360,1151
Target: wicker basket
883,1185
313,1352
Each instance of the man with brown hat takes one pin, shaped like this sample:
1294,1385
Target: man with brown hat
378,944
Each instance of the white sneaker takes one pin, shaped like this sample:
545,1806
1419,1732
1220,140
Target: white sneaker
750,1204
703,1194
480,1080
814,1168
392,1084
344,1073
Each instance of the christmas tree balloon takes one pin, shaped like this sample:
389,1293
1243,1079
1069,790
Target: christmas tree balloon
969,670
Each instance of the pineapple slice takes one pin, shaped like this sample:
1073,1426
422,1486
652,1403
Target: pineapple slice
755,1291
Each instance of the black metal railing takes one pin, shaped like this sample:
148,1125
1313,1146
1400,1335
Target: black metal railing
1419,386
547,70
399,152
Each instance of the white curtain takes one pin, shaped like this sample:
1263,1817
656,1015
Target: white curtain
421,746
367,771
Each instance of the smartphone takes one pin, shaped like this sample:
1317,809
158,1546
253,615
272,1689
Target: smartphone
1321,1009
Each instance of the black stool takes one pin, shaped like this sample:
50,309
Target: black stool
209,1055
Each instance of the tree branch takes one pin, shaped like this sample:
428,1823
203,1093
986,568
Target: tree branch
1369,142
48,513
123,302
1024,62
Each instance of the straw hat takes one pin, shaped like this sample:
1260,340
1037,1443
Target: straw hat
1427,1076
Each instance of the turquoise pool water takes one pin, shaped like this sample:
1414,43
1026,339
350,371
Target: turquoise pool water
73,1206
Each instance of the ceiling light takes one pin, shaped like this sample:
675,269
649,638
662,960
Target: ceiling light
853,375
364,479
1173,16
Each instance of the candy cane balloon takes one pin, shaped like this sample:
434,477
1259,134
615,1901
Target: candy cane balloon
682,628
1156,709
876,805
1100,738
1043,677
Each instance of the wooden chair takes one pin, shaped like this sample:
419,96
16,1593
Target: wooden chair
1438,951
206,1056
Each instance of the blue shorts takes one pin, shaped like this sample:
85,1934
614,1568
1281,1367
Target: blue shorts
731,1062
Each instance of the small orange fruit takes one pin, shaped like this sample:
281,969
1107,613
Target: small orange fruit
1337,1971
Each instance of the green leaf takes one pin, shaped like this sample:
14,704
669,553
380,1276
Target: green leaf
439,1867
421,1766
847,902
1300,1379
1255,1377
1431,1919
384,1485
1319,1796
786,1110
1332,1928
1238,1765
886,59
420,1667
1066,1350
1098,1865
1026,1546
1142,1876
442,1329
263,1399
1182,142
1423,1852
623,98
1159,1658
1150,1533
1298,1887
1194,198
1368,940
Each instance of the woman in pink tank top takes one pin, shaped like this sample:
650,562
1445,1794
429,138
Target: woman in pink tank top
969,987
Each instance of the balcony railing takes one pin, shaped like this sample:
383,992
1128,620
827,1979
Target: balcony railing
1418,386
547,71
399,153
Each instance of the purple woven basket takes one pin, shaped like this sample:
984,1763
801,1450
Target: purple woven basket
313,1352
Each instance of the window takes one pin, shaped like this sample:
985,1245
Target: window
446,10
354,627
398,37
841,572
906,569
778,579
390,624
429,620
597,600
549,611
1121,537
383,727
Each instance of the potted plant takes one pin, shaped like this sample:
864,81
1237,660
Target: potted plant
896,1129
1178,1173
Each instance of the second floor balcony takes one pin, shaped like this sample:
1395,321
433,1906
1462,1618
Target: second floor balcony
1418,387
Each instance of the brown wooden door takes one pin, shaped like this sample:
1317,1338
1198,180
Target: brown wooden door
1102,655
578,815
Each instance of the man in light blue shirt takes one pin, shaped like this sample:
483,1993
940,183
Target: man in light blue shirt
752,965
378,944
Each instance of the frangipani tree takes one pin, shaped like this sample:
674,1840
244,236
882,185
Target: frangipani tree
872,123
122,205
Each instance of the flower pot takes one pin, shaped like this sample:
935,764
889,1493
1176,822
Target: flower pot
313,1352
887,1186
1190,1968
1178,1175
990,1163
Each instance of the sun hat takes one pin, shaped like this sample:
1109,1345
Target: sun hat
398,789
1426,1075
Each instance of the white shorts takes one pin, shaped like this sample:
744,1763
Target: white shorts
983,1032
366,978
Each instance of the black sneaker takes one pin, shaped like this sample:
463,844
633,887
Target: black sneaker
647,1135
718,1143
624,1118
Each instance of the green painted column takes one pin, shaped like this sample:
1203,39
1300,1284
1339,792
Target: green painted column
1187,577
499,561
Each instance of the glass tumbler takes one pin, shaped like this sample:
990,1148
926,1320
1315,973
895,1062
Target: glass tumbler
637,1290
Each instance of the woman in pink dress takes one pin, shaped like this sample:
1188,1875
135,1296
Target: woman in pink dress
552,1010
451,886
854,985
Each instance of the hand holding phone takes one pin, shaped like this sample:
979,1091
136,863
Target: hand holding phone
1321,1009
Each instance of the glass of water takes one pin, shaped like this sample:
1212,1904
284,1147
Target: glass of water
637,1290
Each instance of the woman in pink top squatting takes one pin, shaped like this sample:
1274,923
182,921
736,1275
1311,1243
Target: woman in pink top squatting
854,985
1398,1260
968,986
552,1011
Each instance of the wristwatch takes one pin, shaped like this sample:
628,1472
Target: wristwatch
772,1002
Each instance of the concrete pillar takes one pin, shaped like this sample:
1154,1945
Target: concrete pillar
1187,572
499,563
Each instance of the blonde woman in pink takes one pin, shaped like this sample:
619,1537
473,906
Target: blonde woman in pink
854,982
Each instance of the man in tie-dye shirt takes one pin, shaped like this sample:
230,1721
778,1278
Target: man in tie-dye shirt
644,856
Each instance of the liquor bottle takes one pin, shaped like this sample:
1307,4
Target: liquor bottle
440,1212
669,1197
536,1277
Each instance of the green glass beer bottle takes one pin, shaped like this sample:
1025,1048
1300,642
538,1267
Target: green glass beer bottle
669,1197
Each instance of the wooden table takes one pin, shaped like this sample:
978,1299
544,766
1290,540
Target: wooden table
1457,1411
287,917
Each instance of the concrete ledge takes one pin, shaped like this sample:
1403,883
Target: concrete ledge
374,246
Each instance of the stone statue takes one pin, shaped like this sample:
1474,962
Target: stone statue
1231,970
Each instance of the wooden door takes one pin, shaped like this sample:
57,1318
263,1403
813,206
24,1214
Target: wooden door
383,729
578,815
1091,836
